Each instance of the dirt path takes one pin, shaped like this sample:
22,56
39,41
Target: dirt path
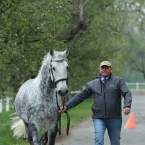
82,134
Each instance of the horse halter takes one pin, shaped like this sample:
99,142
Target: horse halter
51,71
54,85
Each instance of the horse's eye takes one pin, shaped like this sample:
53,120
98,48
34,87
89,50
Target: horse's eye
67,67
53,68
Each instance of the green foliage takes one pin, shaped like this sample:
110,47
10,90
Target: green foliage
29,28
28,31
136,59
100,41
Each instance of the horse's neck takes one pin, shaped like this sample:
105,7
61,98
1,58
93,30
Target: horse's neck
43,79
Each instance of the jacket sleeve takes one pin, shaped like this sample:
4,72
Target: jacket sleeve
78,98
125,93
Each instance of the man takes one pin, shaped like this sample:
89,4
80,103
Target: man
107,109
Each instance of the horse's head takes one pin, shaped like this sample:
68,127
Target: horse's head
58,70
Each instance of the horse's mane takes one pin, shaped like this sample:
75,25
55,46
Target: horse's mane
45,57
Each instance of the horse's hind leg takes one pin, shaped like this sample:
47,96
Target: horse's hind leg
44,138
53,134
28,133
33,134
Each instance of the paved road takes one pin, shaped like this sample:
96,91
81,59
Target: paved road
83,134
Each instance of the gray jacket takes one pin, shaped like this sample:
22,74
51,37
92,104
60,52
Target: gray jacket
107,98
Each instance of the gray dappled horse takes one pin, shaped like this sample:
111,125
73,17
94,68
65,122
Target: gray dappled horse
38,99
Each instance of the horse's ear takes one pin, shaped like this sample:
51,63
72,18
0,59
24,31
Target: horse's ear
67,51
51,51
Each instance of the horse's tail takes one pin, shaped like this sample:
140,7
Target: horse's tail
18,127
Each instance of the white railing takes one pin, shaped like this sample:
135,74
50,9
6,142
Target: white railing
137,85
5,103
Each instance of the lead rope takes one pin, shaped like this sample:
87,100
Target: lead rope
59,119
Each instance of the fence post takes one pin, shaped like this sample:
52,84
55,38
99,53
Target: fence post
1,106
7,103
137,85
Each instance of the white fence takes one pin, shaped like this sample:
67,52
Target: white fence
5,103
136,85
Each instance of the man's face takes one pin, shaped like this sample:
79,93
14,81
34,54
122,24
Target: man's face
105,70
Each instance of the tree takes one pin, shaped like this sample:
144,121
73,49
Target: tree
28,30
133,44
136,51
91,28
95,43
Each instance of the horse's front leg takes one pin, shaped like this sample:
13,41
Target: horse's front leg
53,134
44,138
33,131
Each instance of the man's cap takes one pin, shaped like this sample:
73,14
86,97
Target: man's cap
105,63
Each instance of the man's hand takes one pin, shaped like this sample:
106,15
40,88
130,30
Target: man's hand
63,109
126,110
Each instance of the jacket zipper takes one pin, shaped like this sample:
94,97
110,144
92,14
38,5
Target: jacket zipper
104,88
105,104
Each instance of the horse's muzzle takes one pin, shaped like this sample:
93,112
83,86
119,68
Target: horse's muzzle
62,92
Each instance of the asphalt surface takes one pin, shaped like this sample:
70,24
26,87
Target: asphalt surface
83,133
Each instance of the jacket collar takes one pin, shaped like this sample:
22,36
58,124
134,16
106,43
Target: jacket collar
100,76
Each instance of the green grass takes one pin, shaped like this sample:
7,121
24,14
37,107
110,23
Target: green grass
134,87
6,135
77,115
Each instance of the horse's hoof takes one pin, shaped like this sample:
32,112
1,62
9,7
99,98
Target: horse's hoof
44,142
37,143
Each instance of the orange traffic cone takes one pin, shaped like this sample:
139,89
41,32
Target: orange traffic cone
131,123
